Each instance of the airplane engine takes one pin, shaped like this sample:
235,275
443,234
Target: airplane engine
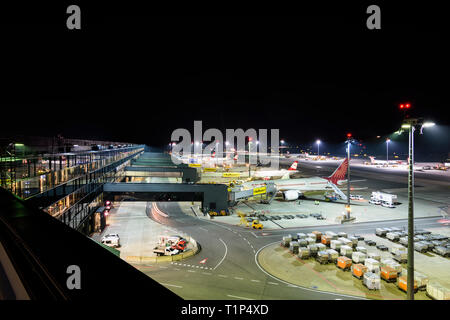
290,195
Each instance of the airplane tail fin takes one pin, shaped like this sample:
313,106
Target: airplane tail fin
294,166
235,157
339,174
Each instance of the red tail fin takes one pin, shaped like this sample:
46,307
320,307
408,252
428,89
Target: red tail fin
339,173
293,166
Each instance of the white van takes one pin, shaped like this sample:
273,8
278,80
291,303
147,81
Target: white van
111,240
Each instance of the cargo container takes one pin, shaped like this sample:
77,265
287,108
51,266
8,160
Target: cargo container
313,249
303,253
286,241
429,244
420,247
381,232
321,247
401,256
388,274
392,264
374,255
437,291
326,239
395,229
443,251
322,257
358,257
302,242
372,264
312,235
318,235
293,247
335,244
358,270
421,279
372,281
402,284
393,236
361,249
342,235
333,255
346,251
396,248
403,241
311,240
346,242
333,235
301,236
344,263
354,241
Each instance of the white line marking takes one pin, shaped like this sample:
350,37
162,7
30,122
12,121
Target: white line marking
223,276
256,281
207,273
190,271
163,267
272,283
171,285
226,251
243,298
239,278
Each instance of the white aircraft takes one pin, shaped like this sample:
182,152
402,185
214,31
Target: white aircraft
285,174
292,189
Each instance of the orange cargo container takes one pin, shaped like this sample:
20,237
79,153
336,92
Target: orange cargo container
403,284
389,274
326,239
318,235
344,263
358,270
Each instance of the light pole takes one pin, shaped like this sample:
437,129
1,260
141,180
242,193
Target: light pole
318,147
387,150
410,124
347,208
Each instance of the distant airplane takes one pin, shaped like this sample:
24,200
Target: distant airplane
284,173
292,189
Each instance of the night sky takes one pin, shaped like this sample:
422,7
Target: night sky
135,74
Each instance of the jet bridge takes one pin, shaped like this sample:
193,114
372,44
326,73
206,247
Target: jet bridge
269,190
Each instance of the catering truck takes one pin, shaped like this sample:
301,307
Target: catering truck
384,197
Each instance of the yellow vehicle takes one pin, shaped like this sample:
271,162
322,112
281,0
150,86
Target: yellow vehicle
256,224
213,213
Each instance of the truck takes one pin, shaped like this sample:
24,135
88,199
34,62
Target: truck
165,251
386,197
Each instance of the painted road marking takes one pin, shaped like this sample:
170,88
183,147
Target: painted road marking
237,297
203,261
190,271
223,276
171,285
255,281
226,251
207,273
239,278
272,283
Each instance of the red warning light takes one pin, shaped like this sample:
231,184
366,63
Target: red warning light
402,106
349,135
407,106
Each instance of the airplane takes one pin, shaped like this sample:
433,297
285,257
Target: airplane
285,174
292,189
383,162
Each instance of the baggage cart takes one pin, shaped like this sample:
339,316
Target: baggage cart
372,265
436,291
333,255
342,235
303,253
420,247
402,284
374,255
326,239
381,232
322,257
361,249
442,251
346,251
372,281
293,247
358,257
318,235
344,263
311,240
301,236
313,249
354,241
358,270
335,244
388,274
332,234
321,247
393,236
